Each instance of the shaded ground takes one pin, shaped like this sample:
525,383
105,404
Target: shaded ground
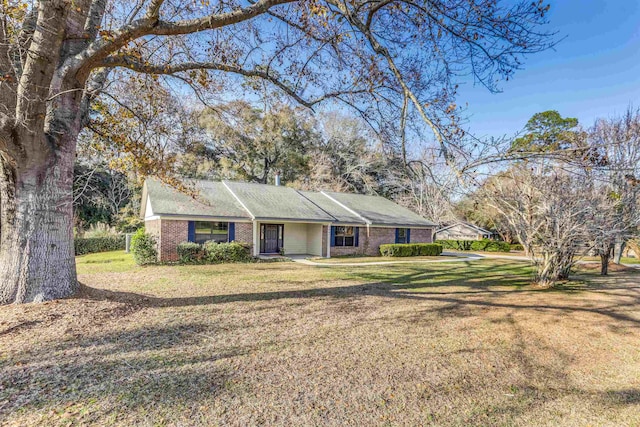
288,344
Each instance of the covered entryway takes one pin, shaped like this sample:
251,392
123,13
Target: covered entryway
271,238
289,238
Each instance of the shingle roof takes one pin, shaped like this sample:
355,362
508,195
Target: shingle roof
465,224
378,210
241,200
277,202
341,214
213,199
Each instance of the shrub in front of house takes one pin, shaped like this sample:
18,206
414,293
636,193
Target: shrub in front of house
410,249
143,247
190,253
216,253
485,245
516,247
91,245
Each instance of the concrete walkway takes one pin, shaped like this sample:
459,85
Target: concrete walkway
447,257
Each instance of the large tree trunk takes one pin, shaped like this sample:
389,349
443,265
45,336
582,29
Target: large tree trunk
617,250
553,267
604,264
37,260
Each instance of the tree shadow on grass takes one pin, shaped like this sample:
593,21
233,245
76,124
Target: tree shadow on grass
116,372
452,288
145,368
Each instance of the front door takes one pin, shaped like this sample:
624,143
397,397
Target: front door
271,238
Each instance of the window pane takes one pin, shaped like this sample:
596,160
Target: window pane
402,232
201,238
339,241
348,241
203,227
349,231
339,231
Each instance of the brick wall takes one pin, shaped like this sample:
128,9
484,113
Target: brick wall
421,235
370,245
152,227
172,232
244,233
367,245
378,236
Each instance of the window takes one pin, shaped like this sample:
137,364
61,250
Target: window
344,236
216,231
402,236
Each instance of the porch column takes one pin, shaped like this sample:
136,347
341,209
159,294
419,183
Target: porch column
256,238
329,241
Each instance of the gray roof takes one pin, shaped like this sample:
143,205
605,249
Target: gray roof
241,200
466,224
341,214
212,199
378,210
277,202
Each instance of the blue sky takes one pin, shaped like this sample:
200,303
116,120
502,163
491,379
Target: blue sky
594,72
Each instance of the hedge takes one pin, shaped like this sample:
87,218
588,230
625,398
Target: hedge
213,253
190,253
143,247
92,245
410,249
517,247
484,245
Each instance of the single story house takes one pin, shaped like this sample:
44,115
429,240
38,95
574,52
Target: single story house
462,231
275,219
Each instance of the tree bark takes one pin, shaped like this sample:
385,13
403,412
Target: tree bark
37,257
604,263
617,251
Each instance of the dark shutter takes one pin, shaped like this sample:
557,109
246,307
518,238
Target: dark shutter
397,235
191,235
408,235
356,232
333,235
232,231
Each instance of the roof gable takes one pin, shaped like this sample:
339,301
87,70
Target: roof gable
277,202
212,199
465,225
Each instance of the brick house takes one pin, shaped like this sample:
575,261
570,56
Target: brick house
274,219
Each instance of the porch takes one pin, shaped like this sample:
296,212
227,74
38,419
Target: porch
290,238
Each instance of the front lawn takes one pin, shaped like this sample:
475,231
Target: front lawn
461,343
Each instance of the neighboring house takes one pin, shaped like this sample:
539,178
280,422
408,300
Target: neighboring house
462,231
274,219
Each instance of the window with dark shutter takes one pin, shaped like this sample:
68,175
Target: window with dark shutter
344,236
216,231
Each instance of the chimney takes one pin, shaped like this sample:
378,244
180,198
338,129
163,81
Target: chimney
277,178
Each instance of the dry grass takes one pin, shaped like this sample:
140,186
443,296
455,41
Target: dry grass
286,344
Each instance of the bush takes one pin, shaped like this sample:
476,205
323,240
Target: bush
226,252
143,247
99,244
410,249
190,253
485,245
517,247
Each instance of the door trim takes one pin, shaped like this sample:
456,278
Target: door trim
280,238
